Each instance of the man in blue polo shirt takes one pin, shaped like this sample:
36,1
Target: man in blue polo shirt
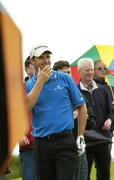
52,118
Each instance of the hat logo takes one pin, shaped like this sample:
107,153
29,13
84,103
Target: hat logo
40,47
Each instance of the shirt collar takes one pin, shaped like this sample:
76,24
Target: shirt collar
53,75
92,87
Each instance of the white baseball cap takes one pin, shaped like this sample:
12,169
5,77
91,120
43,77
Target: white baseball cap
38,50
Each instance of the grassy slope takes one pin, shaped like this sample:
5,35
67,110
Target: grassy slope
111,172
15,170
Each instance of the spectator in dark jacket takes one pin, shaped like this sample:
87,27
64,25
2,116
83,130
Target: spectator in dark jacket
98,98
100,74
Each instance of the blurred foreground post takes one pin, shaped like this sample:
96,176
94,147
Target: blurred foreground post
13,112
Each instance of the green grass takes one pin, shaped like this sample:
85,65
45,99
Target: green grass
15,169
93,173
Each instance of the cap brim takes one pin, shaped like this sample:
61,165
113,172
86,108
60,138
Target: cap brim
39,53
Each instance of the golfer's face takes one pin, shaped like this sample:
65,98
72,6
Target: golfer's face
42,61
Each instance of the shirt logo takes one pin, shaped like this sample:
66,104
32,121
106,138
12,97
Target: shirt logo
58,88
81,98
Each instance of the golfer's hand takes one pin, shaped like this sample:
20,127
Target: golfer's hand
44,74
80,145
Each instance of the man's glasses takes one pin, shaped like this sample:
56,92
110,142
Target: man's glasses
102,69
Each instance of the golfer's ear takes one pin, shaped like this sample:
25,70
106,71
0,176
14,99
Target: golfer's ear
32,60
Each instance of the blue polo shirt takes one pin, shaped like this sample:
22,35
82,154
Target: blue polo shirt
53,111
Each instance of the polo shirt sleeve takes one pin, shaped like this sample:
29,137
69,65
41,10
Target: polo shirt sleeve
74,92
28,86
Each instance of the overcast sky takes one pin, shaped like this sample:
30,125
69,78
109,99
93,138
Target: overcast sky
68,27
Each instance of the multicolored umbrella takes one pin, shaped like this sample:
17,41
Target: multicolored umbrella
103,52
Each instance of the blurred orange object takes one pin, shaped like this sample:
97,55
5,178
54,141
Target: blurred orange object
13,111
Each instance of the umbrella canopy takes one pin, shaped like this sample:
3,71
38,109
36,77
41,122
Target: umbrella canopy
93,137
103,52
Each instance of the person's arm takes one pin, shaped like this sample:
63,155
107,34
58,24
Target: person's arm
24,141
78,102
108,120
107,124
82,119
43,76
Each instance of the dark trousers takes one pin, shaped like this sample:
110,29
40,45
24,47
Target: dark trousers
102,157
98,173
56,158
81,168
28,167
